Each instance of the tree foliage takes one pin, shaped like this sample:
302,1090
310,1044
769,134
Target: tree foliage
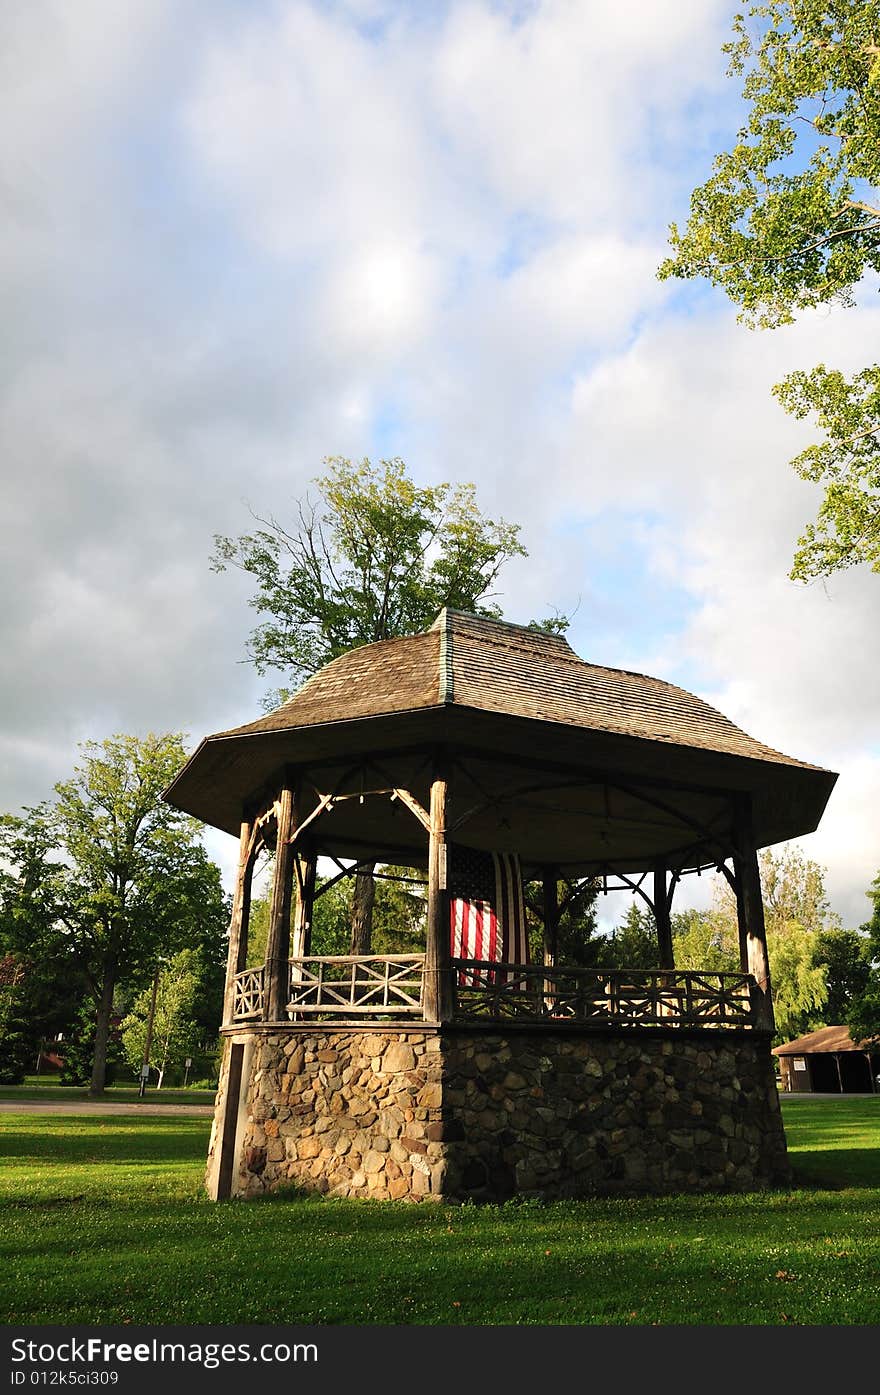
705,941
799,979
176,1031
863,1017
375,556
108,876
790,219
846,957
796,912
399,910
633,943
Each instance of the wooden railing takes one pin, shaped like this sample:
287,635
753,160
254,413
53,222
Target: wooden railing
370,986
618,997
247,995
356,985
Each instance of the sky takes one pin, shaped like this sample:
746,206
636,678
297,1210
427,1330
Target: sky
241,237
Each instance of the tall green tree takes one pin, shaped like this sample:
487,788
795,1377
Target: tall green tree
633,943
790,219
796,913
800,979
399,910
863,1016
374,556
847,960
174,1031
108,874
705,941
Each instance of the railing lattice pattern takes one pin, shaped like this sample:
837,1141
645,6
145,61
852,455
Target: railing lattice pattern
365,986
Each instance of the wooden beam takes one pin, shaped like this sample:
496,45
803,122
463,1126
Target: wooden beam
438,994
414,807
301,932
278,939
238,924
551,916
662,916
750,915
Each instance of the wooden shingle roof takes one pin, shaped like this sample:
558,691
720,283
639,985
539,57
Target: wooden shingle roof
581,764
469,661
826,1040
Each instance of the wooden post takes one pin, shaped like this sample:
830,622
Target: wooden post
551,917
662,916
438,997
275,990
301,936
238,924
750,915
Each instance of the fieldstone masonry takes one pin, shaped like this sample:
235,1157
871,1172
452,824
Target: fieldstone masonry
485,1115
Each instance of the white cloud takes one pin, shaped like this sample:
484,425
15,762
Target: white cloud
244,238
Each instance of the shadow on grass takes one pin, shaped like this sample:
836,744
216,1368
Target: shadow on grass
105,1138
837,1169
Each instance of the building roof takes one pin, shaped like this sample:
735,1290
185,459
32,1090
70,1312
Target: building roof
470,661
522,696
826,1039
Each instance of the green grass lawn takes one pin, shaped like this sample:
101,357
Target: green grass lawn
103,1220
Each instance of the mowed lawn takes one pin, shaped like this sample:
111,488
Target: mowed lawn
103,1220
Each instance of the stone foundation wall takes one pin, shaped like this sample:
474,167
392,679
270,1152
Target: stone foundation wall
458,1114
572,1115
348,1113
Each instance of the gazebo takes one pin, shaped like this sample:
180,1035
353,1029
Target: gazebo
451,1076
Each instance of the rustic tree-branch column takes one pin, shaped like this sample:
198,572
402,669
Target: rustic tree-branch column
750,915
662,916
301,937
278,940
437,1000
551,917
239,921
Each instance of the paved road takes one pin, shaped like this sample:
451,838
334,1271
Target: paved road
807,1095
194,1111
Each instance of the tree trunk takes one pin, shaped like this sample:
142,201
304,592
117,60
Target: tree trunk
362,911
102,1033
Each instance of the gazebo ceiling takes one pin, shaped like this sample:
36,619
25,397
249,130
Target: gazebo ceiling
560,760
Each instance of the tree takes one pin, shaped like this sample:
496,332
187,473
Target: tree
796,912
109,875
793,890
399,910
375,557
846,957
16,1042
633,944
799,979
576,941
705,941
863,1016
790,219
176,1032
38,992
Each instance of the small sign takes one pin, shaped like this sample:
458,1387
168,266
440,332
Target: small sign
442,866
145,1072
188,1062
799,1063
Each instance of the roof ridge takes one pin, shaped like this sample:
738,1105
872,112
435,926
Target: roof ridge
446,689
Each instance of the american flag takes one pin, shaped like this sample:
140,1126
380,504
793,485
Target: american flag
487,912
